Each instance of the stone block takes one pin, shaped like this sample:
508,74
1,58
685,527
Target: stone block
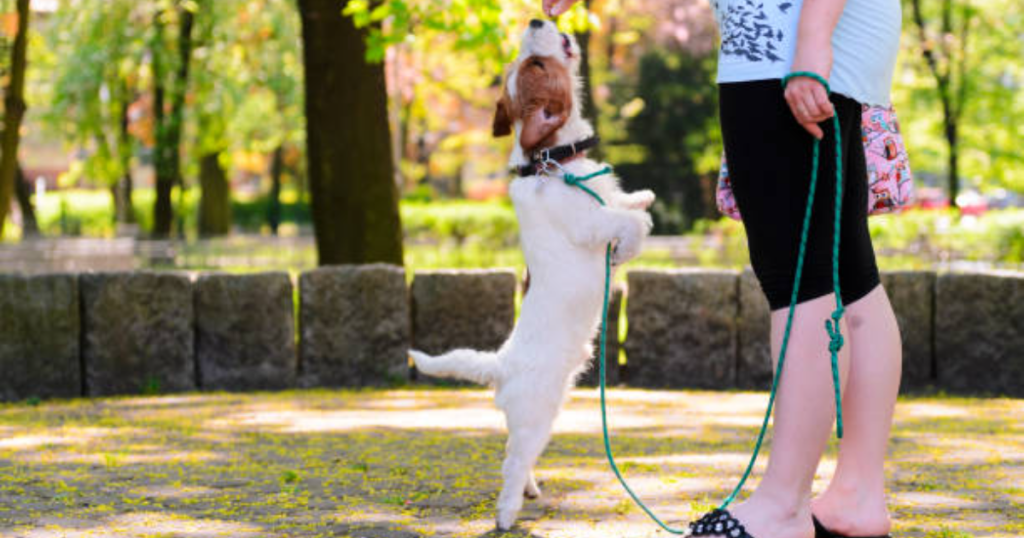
682,328
39,337
137,330
354,326
245,331
462,308
979,333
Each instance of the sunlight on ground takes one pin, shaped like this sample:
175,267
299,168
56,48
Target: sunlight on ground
409,463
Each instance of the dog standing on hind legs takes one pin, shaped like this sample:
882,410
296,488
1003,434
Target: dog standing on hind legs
564,234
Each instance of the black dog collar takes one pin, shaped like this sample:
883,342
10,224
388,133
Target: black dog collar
557,154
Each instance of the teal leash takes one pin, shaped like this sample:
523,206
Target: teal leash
831,326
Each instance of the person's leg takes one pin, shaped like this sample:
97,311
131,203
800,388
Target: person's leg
854,502
769,159
803,421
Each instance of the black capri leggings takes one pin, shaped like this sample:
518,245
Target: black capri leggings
769,156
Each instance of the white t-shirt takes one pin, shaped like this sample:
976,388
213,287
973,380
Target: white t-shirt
759,40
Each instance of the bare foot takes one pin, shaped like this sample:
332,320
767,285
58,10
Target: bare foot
850,513
763,518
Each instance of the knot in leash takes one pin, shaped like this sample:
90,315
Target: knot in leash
834,335
577,181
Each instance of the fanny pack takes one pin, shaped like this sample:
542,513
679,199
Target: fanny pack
890,182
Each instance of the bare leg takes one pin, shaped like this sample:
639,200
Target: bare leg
804,414
854,503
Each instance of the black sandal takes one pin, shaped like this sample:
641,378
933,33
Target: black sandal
821,532
719,522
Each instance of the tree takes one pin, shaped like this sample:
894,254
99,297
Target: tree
29,224
351,174
100,44
947,59
265,68
170,74
215,94
962,58
14,110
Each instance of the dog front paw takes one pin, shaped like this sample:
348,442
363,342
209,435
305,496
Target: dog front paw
630,239
641,199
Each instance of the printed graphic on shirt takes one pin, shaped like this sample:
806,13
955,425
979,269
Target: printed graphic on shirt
749,30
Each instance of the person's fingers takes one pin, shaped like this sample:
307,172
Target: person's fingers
821,96
554,8
793,100
814,129
814,111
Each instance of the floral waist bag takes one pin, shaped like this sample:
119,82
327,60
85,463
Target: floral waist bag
890,182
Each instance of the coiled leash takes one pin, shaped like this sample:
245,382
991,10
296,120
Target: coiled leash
832,326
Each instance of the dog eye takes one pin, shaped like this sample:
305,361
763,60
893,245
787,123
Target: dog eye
537,63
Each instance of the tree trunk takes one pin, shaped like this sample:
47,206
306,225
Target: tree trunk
124,152
14,110
351,173
23,191
274,201
215,201
954,170
168,142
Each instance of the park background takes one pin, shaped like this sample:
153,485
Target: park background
185,122
216,141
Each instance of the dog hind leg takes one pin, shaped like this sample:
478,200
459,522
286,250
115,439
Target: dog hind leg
526,442
532,490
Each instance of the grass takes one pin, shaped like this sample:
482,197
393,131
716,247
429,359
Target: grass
425,462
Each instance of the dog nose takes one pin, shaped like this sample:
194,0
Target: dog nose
536,23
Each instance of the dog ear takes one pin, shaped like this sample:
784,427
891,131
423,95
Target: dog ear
502,125
540,124
545,88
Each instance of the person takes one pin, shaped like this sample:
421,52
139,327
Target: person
853,45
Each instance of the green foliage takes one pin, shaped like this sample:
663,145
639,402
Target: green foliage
247,90
982,51
673,117
482,27
97,66
489,225
998,235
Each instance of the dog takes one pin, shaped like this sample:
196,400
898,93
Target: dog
564,234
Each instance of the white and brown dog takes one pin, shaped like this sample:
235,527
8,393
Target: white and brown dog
564,234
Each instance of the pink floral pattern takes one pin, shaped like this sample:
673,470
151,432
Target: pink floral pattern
890,181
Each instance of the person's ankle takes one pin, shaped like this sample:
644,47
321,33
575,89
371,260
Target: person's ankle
853,509
784,503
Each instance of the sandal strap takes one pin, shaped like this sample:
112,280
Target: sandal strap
719,522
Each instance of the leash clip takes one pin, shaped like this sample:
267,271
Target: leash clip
546,161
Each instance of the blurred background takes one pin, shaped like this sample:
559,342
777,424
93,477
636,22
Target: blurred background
254,135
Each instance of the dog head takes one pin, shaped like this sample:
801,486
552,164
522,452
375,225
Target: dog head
539,102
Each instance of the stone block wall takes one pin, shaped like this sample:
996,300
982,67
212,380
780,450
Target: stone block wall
96,334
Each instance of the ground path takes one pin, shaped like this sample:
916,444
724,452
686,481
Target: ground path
425,462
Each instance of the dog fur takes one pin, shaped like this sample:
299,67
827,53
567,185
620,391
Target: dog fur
564,234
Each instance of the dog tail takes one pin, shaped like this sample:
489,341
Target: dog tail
477,366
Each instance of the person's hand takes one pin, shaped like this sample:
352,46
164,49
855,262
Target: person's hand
554,8
806,97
